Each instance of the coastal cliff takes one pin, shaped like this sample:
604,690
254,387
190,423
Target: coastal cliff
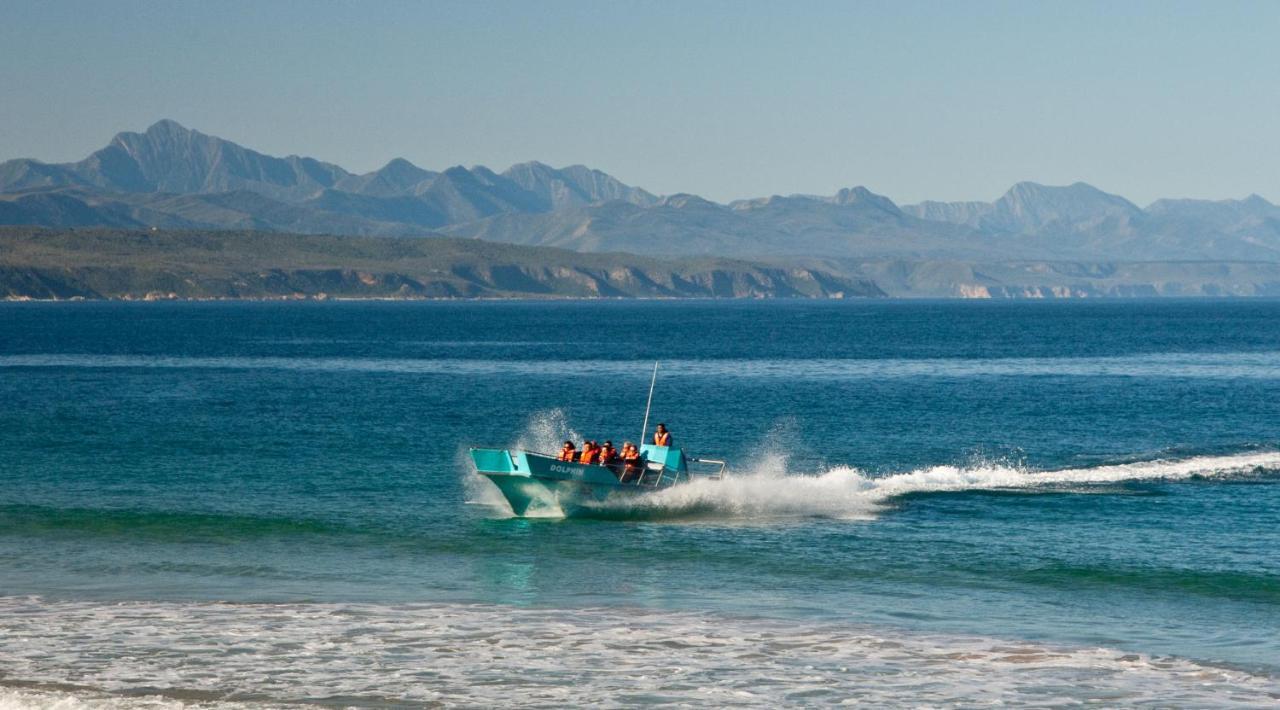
159,265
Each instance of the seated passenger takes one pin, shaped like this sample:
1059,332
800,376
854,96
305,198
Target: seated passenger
568,452
662,437
633,465
588,452
608,455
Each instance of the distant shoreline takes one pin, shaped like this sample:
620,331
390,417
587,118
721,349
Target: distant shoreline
39,264
320,298
101,264
673,300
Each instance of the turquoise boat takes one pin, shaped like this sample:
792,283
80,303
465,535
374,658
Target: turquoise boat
540,484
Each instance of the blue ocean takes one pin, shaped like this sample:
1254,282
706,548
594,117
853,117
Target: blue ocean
928,504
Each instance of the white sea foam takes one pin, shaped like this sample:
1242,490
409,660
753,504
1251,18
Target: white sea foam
51,699
769,491
488,656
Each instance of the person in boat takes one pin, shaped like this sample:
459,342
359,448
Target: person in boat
589,452
568,452
633,465
662,437
608,456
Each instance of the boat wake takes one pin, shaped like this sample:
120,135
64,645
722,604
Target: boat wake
771,490
848,493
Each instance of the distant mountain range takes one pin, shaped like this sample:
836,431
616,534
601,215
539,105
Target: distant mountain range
171,177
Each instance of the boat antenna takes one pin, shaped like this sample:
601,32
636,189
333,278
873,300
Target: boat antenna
645,429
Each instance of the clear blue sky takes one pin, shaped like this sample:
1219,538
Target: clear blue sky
915,100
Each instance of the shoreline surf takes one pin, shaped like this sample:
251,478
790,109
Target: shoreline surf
473,654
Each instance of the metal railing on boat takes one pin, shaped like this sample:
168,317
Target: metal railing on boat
676,476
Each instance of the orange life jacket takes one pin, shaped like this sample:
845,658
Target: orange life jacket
607,455
662,438
568,454
588,455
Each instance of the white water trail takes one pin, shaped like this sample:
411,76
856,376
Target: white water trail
847,493
770,490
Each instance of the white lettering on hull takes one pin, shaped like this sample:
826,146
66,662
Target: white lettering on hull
556,468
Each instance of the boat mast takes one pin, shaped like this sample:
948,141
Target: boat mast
645,428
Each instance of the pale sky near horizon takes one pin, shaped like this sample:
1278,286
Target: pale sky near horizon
915,100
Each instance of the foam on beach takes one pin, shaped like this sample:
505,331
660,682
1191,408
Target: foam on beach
160,655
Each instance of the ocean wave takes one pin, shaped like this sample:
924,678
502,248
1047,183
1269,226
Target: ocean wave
1255,586
158,525
1219,365
156,654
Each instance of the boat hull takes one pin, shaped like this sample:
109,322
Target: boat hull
533,497
536,484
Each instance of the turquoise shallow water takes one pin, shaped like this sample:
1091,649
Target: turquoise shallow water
954,503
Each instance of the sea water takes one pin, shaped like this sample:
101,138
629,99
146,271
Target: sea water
929,503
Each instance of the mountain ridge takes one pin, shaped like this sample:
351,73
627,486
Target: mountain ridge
170,176
170,158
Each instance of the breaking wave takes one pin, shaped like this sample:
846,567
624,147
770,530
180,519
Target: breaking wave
173,655
1260,365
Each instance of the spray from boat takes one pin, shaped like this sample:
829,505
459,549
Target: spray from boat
848,493
770,490
534,482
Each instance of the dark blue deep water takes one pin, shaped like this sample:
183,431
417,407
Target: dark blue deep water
1070,476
